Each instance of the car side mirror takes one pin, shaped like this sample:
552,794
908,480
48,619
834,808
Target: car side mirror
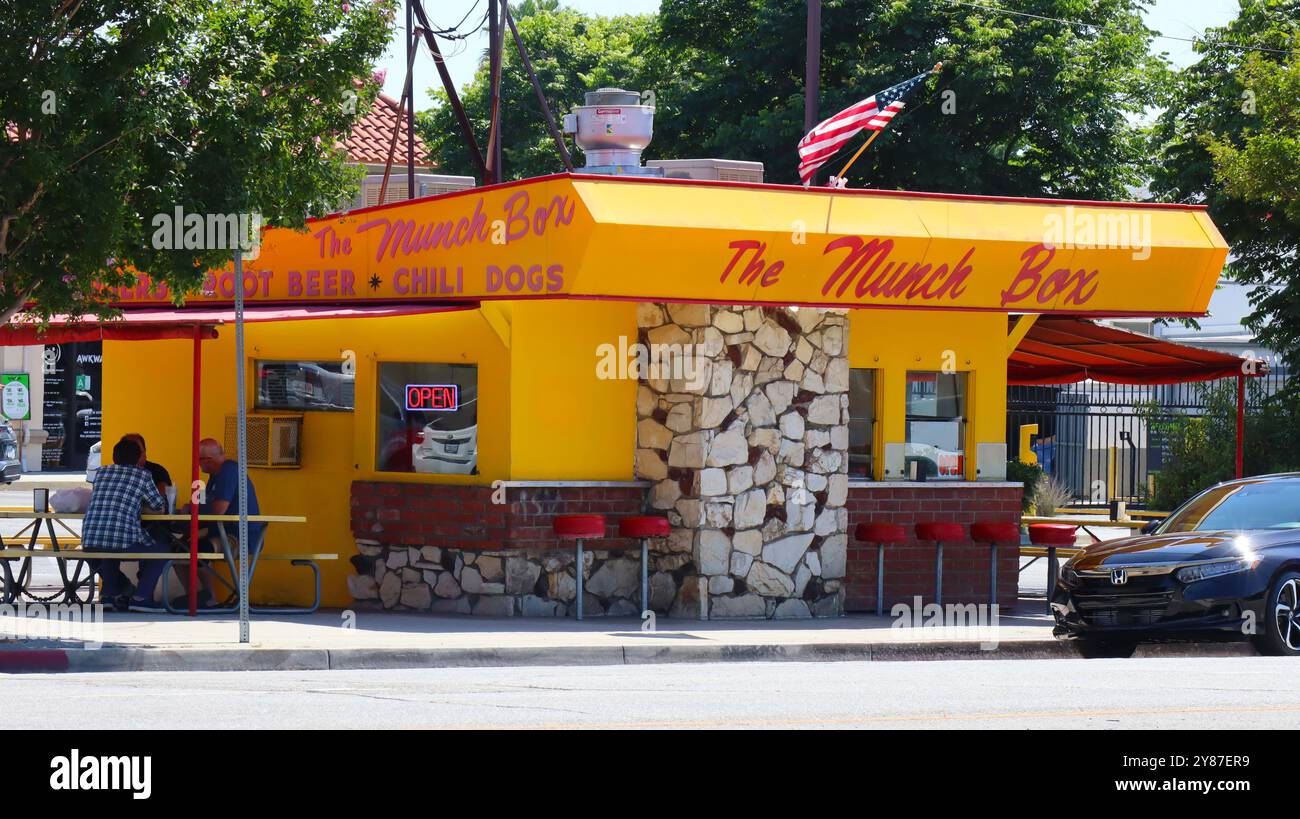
1150,527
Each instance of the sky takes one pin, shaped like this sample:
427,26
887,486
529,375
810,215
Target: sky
1176,18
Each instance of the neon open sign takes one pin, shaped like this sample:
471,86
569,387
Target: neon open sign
432,397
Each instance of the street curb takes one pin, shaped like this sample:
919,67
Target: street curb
136,658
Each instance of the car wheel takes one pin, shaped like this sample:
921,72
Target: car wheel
1281,632
1096,648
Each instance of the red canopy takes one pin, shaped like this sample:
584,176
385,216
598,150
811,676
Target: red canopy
1065,350
182,322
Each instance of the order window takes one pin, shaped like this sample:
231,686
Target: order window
936,425
316,386
862,422
428,418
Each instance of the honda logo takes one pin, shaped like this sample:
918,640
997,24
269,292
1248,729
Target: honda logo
1118,577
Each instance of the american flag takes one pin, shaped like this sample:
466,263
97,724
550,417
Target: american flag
873,114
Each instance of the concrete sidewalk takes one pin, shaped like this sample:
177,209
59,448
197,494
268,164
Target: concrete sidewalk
374,640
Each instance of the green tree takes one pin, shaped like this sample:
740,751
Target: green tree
571,53
1023,106
118,110
1227,139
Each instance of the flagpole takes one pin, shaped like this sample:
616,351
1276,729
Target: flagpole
872,138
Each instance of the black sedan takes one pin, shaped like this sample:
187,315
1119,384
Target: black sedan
1224,566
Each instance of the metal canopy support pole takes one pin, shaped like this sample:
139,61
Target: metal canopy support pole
494,97
1241,425
410,104
812,66
466,130
241,433
195,432
537,89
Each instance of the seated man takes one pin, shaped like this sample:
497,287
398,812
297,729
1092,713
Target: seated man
122,492
222,498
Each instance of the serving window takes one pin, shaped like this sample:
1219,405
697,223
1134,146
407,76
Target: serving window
936,425
427,418
862,422
305,386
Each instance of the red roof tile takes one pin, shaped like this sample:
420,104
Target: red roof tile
370,137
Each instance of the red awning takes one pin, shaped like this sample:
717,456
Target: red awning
1066,350
153,324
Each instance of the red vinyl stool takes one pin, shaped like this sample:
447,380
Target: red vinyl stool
939,532
993,533
644,527
1052,535
880,534
579,528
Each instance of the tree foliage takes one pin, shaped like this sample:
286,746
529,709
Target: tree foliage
1227,139
119,110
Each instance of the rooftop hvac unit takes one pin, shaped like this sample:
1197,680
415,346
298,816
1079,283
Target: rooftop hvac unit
426,184
612,127
725,170
274,441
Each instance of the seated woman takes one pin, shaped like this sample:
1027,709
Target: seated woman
121,493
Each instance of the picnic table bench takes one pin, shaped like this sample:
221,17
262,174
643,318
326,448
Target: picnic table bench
79,587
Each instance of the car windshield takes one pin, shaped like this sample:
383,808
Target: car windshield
1259,505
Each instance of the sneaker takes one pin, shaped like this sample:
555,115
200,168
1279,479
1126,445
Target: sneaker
146,606
122,603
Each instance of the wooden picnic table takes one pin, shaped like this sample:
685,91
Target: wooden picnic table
79,588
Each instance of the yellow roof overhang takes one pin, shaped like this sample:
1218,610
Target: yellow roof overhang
581,236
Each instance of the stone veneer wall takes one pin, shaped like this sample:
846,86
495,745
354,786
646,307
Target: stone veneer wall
909,567
449,548
749,457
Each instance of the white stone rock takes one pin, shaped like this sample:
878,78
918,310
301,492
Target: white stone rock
770,370
616,578
397,558
652,434
471,581
729,321
824,410
720,377
768,580
687,451
748,542
803,351
446,587
834,556
814,563
819,362
649,466
493,606
814,482
791,452
751,507
691,511
363,587
766,437
760,410
798,516
772,339
712,482
418,597
740,563
717,515
812,382
775,494
714,410
815,437
746,606
721,584
645,401
727,449
668,334
840,437
786,552
649,314
752,358
780,394
689,314
679,418
827,523
753,318
665,493
740,478
801,577
712,552
765,469
792,425
833,341
489,566
837,489
836,378
791,610
808,318
711,342
794,371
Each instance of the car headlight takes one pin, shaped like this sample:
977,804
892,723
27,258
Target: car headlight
1203,571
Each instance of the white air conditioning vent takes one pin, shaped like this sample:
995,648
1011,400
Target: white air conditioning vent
724,170
426,184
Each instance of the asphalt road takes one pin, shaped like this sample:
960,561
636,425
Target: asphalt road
1235,692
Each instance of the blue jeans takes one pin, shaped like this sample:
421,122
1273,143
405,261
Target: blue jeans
150,572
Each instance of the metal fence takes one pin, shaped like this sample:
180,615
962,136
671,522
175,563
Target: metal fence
1094,438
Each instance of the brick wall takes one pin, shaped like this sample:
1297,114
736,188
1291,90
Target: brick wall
909,567
464,517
